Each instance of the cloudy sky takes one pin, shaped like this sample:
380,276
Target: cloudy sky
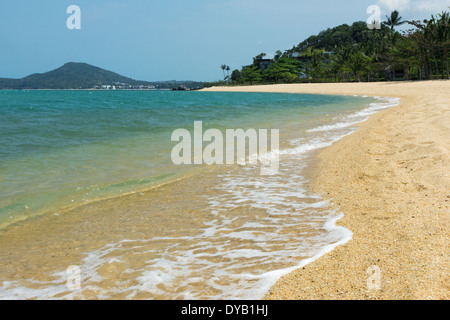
415,6
172,39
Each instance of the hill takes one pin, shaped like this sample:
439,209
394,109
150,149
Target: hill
342,35
357,53
72,75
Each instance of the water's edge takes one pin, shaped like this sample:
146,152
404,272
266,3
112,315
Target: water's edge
344,235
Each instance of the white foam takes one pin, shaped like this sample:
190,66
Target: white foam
233,240
335,126
360,116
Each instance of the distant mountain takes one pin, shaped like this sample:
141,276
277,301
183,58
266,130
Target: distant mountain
72,75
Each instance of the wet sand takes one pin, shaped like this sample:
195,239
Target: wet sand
391,179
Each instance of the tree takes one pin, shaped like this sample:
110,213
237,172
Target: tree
251,74
223,67
314,65
342,59
236,76
258,58
394,20
284,70
278,55
353,52
443,36
432,38
358,62
407,53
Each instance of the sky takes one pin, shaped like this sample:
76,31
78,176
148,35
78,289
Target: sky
172,39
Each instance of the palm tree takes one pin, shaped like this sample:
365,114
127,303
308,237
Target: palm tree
434,40
358,63
342,58
425,44
223,67
314,66
443,36
394,20
430,33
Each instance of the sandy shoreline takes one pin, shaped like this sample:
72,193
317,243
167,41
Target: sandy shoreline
391,179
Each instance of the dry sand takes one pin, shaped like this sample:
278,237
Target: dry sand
391,179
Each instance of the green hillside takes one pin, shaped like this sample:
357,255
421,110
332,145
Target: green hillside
70,76
357,53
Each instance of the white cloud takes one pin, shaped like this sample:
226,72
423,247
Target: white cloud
392,5
432,6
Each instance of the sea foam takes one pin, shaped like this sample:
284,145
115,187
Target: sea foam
260,228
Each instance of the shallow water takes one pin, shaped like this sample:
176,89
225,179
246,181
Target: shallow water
202,232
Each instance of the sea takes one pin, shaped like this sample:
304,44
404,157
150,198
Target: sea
92,205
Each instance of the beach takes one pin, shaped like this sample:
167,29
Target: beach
95,189
391,181
112,205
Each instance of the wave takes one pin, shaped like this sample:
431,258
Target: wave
259,229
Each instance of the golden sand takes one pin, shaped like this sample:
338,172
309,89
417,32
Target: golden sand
391,179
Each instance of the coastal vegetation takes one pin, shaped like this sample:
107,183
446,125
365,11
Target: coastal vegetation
355,53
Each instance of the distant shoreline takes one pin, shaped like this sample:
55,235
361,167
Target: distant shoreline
85,90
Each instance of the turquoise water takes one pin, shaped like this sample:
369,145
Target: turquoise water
227,232
64,148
